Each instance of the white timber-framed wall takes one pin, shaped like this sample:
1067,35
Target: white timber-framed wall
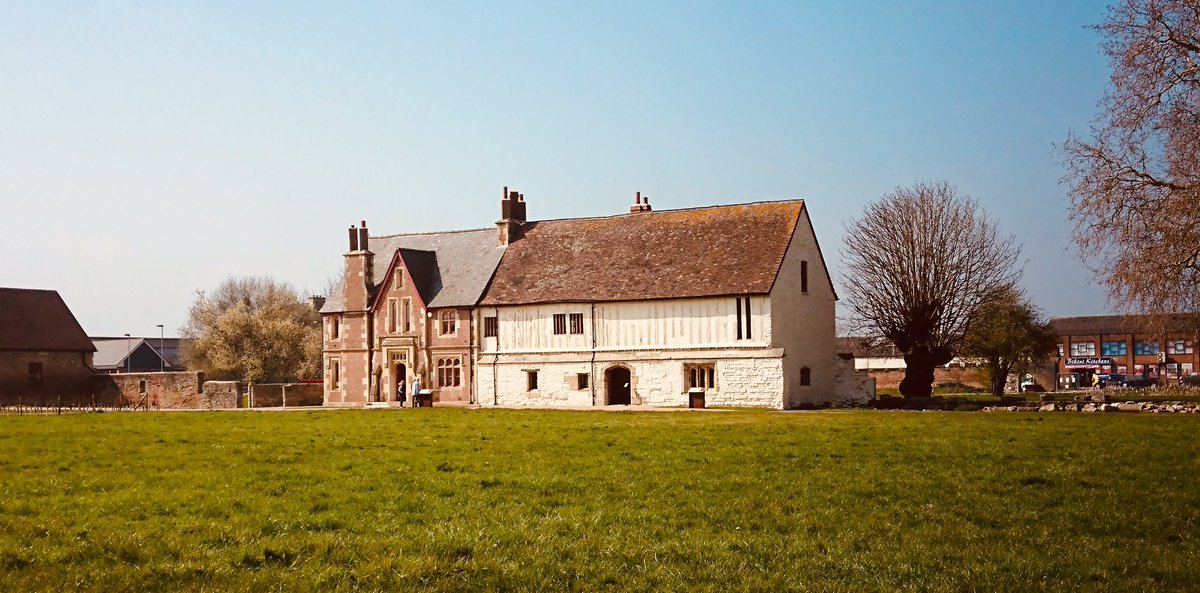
790,330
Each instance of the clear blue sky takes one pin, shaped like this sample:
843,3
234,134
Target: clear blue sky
148,150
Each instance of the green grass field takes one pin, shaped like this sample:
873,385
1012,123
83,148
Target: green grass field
471,500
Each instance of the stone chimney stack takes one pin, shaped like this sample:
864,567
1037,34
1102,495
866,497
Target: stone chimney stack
317,301
640,204
359,270
512,217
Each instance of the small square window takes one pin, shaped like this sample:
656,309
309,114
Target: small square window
491,327
560,324
35,374
577,323
531,380
582,380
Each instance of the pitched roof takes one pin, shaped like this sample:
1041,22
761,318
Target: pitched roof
111,352
456,269
39,320
1117,324
697,252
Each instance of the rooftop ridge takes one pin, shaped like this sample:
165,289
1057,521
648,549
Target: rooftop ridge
673,210
429,233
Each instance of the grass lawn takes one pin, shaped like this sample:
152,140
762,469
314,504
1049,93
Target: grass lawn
471,500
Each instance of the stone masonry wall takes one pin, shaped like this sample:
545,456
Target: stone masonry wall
156,391
744,382
218,395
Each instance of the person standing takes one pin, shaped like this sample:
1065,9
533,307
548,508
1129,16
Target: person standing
416,390
400,386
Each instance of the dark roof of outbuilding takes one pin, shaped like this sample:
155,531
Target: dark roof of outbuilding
866,347
39,320
697,252
454,272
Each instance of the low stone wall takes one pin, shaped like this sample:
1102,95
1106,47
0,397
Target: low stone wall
275,395
221,395
969,376
1147,407
155,391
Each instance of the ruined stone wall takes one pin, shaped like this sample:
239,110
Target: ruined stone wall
155,391
219,395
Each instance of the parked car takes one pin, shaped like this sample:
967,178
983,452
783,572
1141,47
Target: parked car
1190,380
1137,382
1111,380
1030,386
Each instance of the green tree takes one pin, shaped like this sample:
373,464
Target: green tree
253,329
1009,334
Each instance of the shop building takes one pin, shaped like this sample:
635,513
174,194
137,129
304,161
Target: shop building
1125,345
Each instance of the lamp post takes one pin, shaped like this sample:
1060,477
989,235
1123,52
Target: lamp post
161,361
127,353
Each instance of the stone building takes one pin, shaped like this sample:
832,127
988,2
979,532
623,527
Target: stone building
404,308
729,305
44,353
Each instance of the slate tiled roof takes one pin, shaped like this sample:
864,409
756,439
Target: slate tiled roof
39,320
698,252
459,267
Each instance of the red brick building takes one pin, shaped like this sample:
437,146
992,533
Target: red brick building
1122,344
404,309
44,353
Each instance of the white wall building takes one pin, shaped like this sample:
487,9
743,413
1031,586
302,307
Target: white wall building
641,308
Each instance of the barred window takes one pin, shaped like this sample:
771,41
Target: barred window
577,323
491,327
560,324
449,372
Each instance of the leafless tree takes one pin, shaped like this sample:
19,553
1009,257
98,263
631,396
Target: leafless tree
1135,183
917,266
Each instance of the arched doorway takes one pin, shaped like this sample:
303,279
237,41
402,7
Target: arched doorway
618,385
399,381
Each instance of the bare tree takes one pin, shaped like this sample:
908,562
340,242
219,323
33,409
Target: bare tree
917,267
253,329
1135,184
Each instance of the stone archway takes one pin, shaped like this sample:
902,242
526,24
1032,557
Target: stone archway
618,386
399,381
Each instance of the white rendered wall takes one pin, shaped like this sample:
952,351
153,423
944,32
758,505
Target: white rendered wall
803,322
637,325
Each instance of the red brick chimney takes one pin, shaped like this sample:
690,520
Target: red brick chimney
359,269
512,217
640,204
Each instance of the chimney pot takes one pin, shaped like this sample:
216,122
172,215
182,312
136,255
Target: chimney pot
353,238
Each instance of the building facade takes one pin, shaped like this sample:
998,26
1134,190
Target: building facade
44,353
728,306
1123,344
402,310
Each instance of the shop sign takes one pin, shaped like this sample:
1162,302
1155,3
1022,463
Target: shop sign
1089,362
